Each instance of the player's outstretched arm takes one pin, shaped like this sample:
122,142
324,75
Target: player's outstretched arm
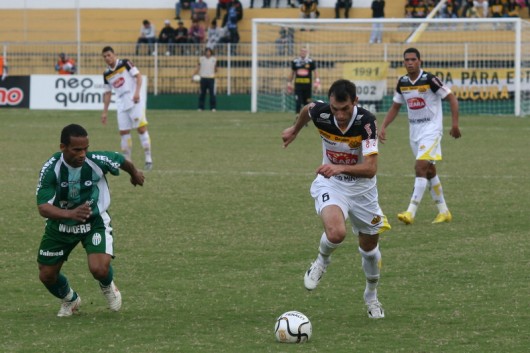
453,104
289,134
137,177
389,118
106,103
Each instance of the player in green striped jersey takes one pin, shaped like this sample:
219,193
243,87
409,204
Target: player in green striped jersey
73,195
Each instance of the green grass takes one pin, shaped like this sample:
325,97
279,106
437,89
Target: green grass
214,246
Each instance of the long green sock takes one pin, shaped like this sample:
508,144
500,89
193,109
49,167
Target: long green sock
106,282
59,289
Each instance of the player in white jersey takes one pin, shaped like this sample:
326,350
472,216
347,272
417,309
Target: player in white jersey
423,92
346,184
126,80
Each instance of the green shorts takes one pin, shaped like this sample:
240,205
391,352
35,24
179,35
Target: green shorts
60,239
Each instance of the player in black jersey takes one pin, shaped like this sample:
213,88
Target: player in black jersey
302,70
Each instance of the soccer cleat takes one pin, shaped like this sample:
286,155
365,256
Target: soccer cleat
148,166
68,308
443,217
406,217
313,275
375,310
113,296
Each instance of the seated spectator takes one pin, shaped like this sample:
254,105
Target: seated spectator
182,5
222,4
343,4
409,10
309,9
199,11
166,36
482,8
180,38
65,65
285,42
239,10
512,8
196,33
215,33
147,36
420,10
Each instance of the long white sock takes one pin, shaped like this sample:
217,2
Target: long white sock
126,146
437,194
420,184
145,140
325,250
371,262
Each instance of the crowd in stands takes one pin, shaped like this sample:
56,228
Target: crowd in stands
228,13
465,8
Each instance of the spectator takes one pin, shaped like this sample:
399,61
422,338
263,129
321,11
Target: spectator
420,10
3,68
231,25
378,11
482,8
239,10
147,36
199,11
289,3
182,5
215,34
309,9
409,10
450,9
180,37
512,9
222,4
285,42
196,33
65,65
166,36
343,4
207,68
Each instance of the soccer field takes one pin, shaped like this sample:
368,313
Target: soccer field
213,248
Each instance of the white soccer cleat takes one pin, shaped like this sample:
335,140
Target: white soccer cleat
68,308
375,310
113,296
313,275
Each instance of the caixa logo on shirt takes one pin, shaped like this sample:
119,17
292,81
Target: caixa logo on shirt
11,96
416,103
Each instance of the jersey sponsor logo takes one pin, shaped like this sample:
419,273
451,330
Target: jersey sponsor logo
344,177
120,81
303,72
341,157
106,160
50,253
416,103
88,183
324,118
376,220
96,239
78,229
352,141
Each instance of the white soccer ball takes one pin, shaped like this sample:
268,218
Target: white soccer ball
67,67
196,78
293,327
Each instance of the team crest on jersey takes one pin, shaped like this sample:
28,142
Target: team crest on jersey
376,220
416,103
96,239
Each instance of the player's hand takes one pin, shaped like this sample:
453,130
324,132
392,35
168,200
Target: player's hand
136,98
381,135
137,178
316,85
104,118
81,213
455,132
289,88
288,136
328,170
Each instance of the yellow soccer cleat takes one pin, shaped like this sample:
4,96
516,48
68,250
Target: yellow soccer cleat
443,217
406,217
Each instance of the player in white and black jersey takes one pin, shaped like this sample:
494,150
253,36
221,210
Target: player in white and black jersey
422,92
126,80
346,184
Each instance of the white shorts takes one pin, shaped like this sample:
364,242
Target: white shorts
364,211
428,148
132,118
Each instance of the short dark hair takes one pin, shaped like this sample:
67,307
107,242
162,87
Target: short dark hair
343,90
414,51
145,22
107,48
72,130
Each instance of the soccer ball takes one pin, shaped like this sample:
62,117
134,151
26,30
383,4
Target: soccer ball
196,78
293,327
67,67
